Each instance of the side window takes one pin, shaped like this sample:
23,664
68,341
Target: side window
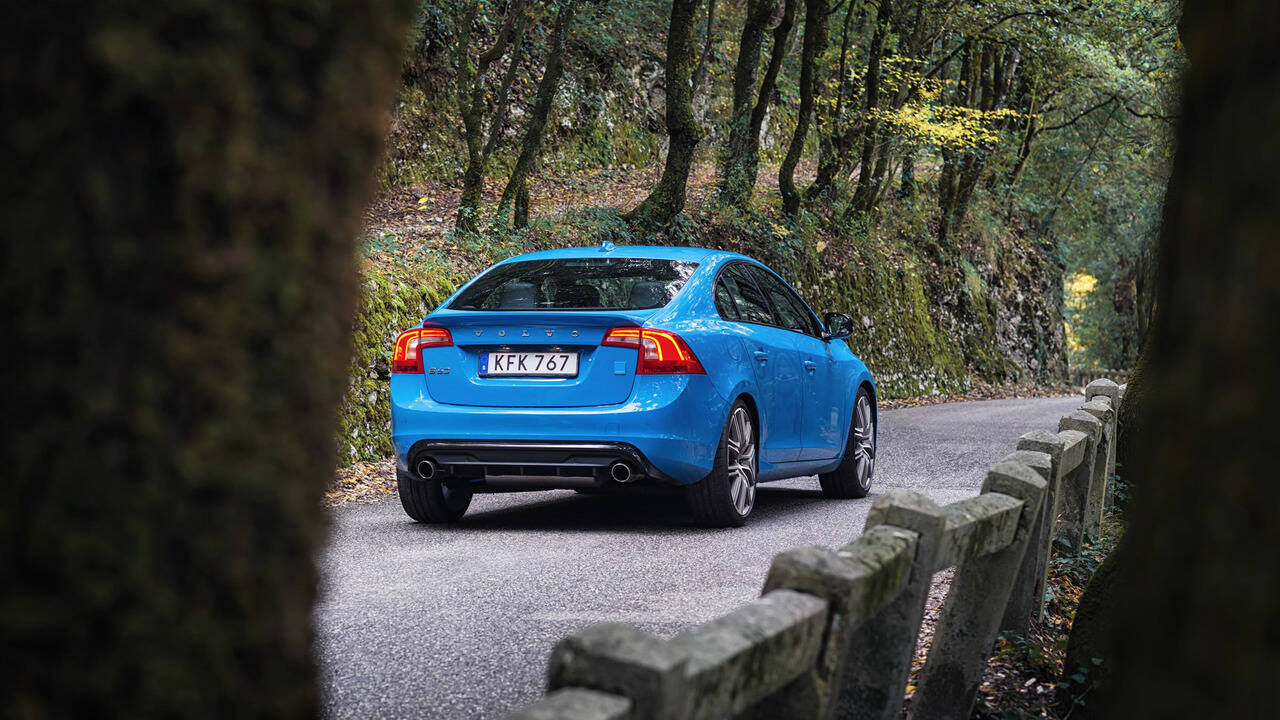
794,314
752,306
724,302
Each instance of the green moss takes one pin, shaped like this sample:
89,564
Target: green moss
387,306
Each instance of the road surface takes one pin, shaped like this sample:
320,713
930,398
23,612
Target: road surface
419,621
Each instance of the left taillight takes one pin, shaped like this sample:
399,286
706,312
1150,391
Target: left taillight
411,343
661,352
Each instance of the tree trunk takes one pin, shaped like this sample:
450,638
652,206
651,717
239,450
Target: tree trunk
683,131
1197,631
471,104
815,42
862,196
742,148
186,183
516,193
829,124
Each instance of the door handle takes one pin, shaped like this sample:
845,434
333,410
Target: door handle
810,365
760,355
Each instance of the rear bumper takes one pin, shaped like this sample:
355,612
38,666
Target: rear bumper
544,464
671,423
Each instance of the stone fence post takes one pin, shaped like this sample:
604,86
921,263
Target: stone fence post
975,605
1076,483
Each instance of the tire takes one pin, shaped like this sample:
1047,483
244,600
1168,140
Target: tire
853,477
726,497
429,501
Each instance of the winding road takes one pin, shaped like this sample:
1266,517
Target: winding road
418,621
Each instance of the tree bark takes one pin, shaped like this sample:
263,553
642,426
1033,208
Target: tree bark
186,183
737,174
471,103
830,123
516,193
667,198
862,196
1197,631
815,42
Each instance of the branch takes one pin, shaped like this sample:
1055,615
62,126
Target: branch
947,58
1075,119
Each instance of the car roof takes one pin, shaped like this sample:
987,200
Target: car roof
666,252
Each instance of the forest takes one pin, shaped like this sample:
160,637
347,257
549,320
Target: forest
978,184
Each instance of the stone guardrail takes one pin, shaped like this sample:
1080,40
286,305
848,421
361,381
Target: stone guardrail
834,631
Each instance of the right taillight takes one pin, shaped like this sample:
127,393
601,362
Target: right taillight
661,352
409,346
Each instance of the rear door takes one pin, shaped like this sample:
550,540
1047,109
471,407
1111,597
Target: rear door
821,400
777,366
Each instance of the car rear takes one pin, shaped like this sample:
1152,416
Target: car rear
549,372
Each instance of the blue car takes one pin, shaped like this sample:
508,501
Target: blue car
598,368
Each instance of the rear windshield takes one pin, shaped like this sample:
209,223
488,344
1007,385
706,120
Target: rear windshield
577,284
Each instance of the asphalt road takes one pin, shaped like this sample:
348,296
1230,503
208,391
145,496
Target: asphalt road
419,621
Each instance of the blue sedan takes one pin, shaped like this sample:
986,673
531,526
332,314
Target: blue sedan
598,368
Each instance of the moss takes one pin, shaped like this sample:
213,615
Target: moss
387,306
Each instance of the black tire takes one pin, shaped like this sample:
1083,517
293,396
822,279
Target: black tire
712,500
852,479
429,501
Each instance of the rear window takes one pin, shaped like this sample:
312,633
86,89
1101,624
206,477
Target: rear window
577,284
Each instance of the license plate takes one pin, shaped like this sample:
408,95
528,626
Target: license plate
529,364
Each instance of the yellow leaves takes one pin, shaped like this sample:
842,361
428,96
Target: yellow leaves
822,245
779,230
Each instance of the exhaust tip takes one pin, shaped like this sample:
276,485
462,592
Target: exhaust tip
426,469
621,472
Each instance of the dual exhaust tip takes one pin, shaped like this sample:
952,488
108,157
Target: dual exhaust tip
619,471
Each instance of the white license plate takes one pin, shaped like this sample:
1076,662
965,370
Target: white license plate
529,364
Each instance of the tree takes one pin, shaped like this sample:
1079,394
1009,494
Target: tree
666,200
516,193
186,183
741,160
473,98
1197,632
815,42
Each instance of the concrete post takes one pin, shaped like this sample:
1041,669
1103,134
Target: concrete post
1076,483
1099,491
875,676
575,704
856,582
971,617
1024,602
623,660
1111,391
1053,446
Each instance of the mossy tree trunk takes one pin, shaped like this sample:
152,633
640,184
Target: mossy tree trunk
1197,630
516,193
734,187
666,200
742,155
815,41
473,102
181,193
862,196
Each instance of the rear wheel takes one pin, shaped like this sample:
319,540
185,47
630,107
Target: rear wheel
430,501
852,479
726,497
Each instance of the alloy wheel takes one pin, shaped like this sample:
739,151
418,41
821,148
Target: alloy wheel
864,451
741,450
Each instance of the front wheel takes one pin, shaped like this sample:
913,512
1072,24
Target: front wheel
852,478
431,501
726,497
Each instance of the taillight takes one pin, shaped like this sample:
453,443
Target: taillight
661,352
408,355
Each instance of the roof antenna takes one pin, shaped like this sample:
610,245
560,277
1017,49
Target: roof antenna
606,246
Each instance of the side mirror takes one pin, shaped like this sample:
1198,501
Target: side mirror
839,326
